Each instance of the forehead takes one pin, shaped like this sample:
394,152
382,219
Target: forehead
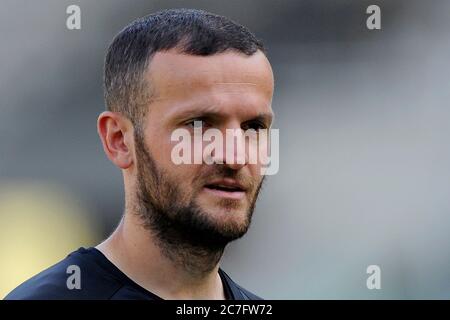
230,78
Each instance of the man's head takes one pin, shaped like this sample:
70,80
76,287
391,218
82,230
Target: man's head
162,73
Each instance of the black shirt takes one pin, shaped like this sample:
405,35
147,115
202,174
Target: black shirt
100,279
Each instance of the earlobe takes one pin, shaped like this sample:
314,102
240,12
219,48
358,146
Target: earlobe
114,131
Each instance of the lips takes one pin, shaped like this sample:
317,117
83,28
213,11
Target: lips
226,185
226,188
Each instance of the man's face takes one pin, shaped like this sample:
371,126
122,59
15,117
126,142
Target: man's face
223,91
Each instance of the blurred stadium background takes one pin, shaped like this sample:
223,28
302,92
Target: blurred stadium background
364,128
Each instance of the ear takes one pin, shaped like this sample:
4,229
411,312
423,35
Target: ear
116,133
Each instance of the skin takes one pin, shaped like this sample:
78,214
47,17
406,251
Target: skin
228,91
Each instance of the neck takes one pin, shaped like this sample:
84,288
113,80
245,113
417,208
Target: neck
169,271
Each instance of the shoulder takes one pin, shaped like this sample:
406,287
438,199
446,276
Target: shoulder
248,295
238,291
75,277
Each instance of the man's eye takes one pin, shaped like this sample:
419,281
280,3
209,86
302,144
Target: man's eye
196,123
255,126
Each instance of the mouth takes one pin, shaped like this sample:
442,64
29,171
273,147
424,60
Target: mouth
230,189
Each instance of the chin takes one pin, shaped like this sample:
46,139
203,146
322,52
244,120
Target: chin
229,218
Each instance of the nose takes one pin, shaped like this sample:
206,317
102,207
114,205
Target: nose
234,151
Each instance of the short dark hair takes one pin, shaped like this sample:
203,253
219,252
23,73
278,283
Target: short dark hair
192,31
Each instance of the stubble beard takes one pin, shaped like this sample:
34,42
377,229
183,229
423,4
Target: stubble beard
182,230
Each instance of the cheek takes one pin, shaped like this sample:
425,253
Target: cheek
255,172
184,173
